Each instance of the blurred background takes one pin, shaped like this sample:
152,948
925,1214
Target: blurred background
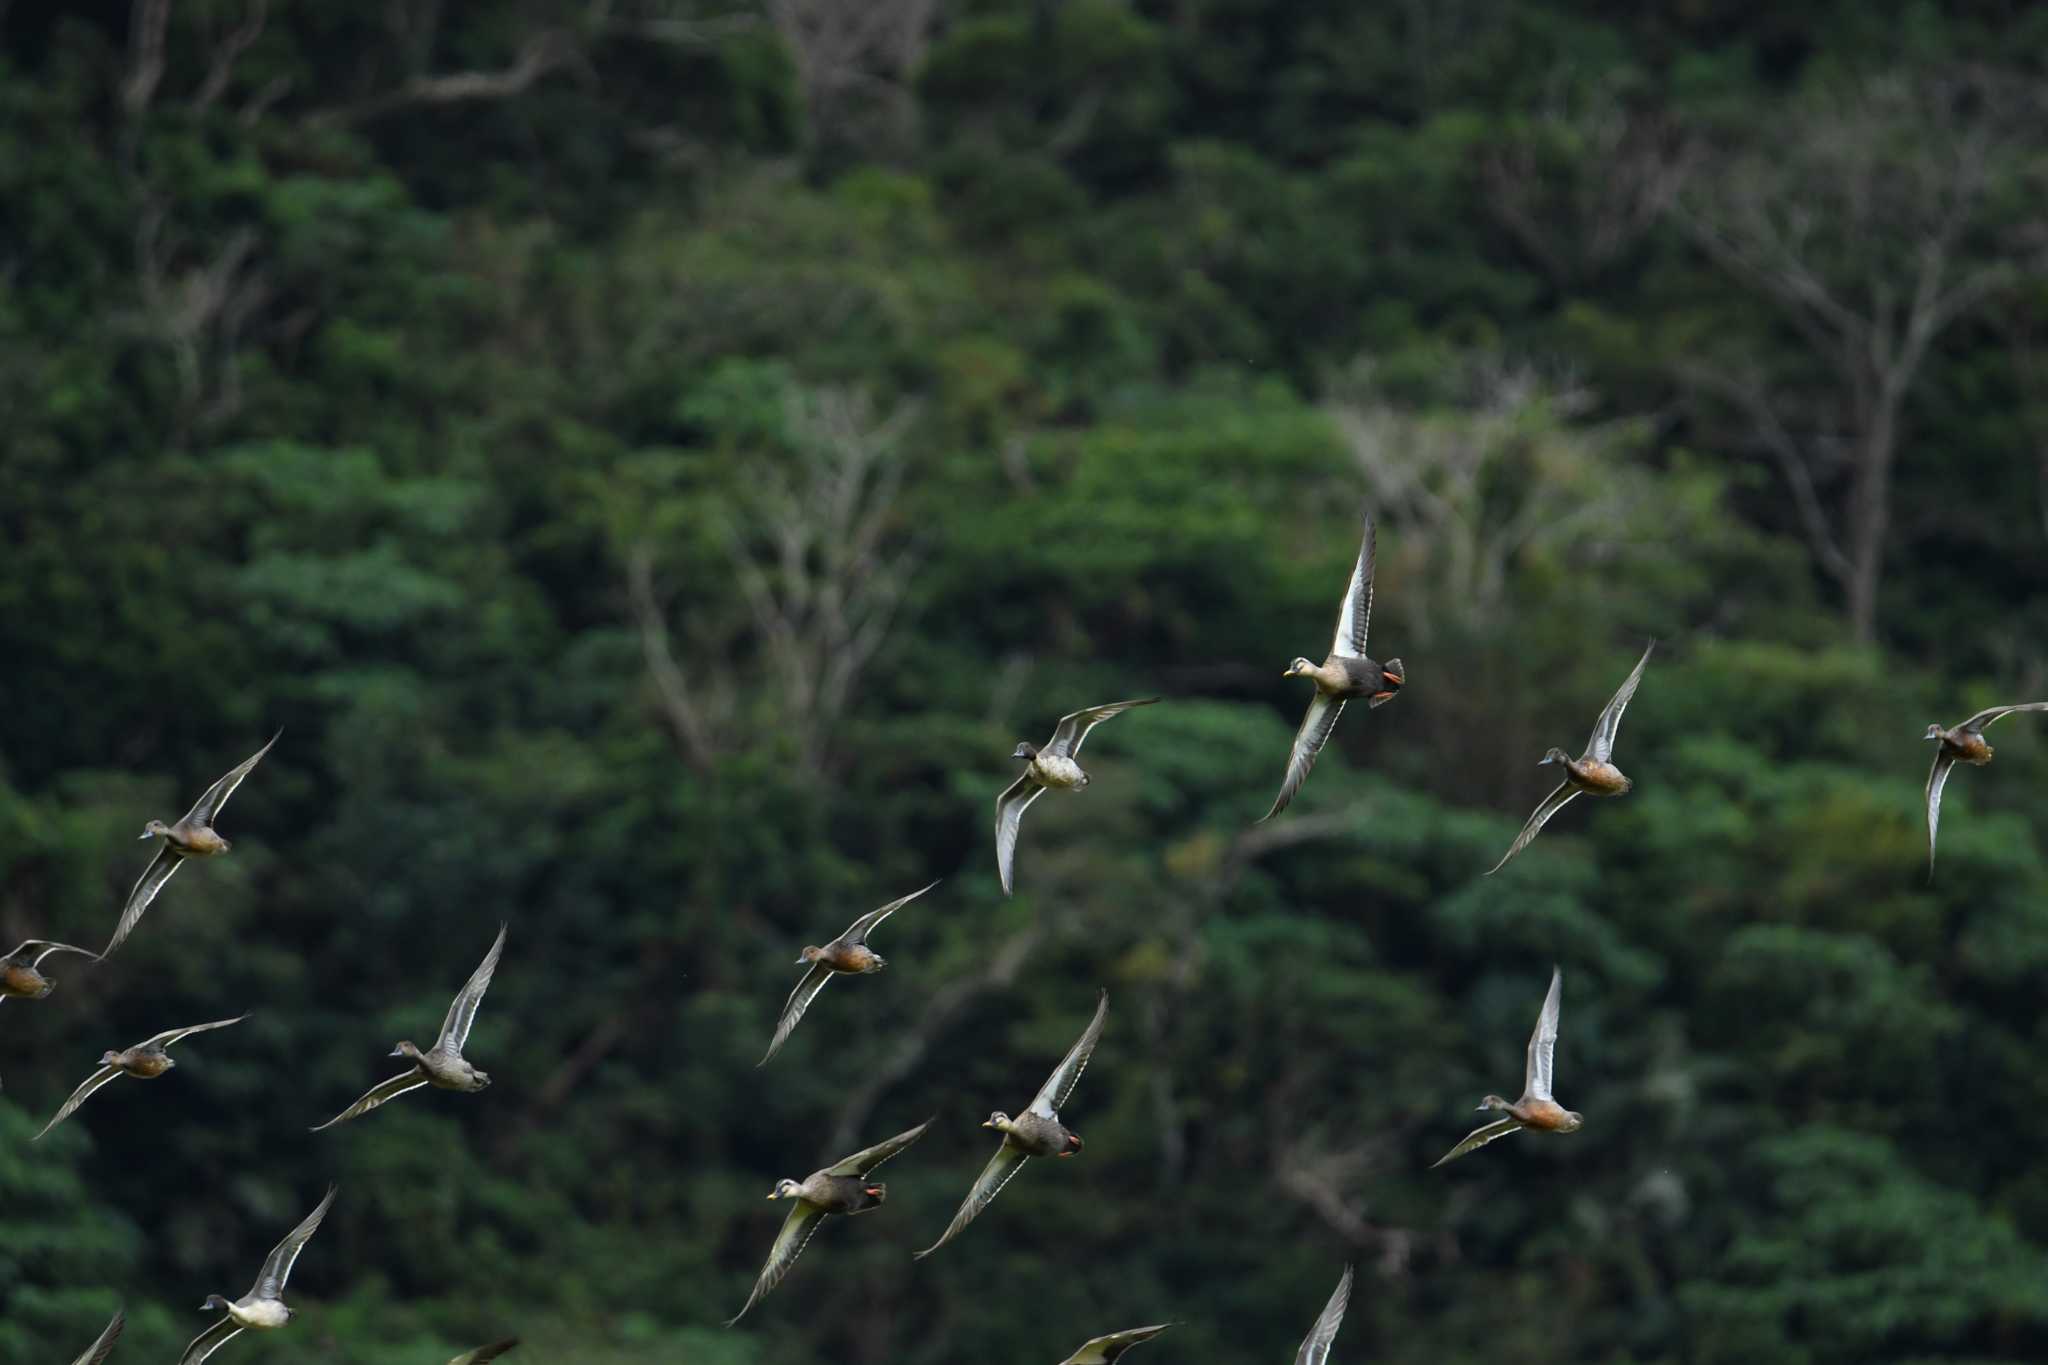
656,458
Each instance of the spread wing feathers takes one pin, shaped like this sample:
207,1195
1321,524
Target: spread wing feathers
1937,778
862,1162
170,1036
1010,808
1560,797
78,1097
1984,718
1103,1350
208,806
797,1231
97,1352
1478,1138
462,1010
1308,742
1356,613
209,1341
1600,744
277,1267
146,886
377,1095
1000,1169
485,1353
1072,731
1052,1096
48,947
1315,1347
807,988
858,931
1536,1072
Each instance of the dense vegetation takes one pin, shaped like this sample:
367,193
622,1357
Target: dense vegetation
655,458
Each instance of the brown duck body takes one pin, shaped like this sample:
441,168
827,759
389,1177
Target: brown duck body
854,959
1037,1135
1547,1115
1966,746
22,980
143,1063
191,838
1596,778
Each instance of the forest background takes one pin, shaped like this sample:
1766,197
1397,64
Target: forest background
655,458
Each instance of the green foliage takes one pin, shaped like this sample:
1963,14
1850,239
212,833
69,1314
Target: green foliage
655,491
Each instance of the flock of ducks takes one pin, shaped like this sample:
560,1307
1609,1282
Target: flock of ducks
848,1187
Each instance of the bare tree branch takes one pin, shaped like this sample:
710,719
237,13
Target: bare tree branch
222,68
147,20
686,720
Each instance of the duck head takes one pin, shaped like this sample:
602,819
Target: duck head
113,1058
406,1049
811,953
1300,668
153,828
1554,755
1935,732
1492,1102
1026,751
998,1120
785,1189
215,1301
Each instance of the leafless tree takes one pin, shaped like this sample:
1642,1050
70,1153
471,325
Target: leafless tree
819,564
848,51
1500,470
1882,211
1584,178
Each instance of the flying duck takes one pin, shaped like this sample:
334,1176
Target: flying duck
847,955
1536,1109
442,1065
1593,772
192,836
1052,766
1103,1350
1345,674
145,1061
1961,744
262,1308
1035,1132
843,1187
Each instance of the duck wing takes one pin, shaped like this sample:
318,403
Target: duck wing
50,946
1560,797
797,1230
1308,742
378,1095
1103,1350
1600,744
208,806
1010,808
1478,1138
1000,1169
858,931
485,1353
1072,731
1977,722
461,1017
1536,1073
1937,778
807,987
1052,1096
862,1162
1315,1347
209,1341
277,1266
1356,614
78,1097
170,1036
97,1352
146,886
